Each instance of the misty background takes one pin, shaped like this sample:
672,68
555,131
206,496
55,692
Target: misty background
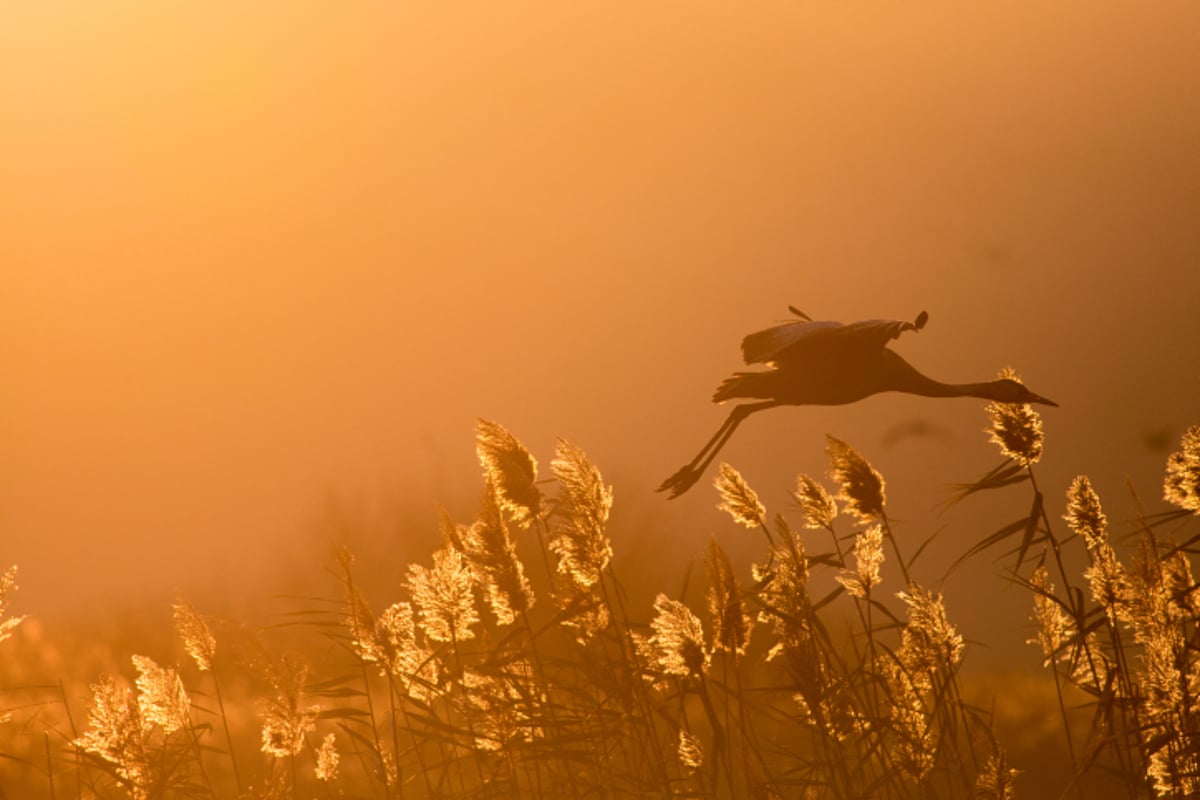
262,266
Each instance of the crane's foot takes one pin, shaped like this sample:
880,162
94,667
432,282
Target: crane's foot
680,482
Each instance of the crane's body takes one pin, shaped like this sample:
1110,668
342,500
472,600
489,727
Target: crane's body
828,363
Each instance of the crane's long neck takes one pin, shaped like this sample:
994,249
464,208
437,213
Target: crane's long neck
903,377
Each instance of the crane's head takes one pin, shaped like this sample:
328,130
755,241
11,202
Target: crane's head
1006,390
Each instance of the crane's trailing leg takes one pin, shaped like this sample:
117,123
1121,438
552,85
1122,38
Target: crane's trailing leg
688,474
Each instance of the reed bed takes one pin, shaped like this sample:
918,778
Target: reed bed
512,663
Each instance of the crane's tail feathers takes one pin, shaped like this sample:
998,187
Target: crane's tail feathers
745,384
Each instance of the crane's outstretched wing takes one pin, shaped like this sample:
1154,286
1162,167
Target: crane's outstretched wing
797,341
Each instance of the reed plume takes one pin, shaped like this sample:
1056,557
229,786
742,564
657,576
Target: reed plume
1055,628
511,470
677,645
690,752
738,499
579,538
444,596
116,735
197,637
8,584
491,554
862,493
161,697
731,623
818,506
1181,486
286,720
1015,427
868,558
327,759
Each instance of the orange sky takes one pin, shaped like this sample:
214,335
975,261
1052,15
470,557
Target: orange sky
254,257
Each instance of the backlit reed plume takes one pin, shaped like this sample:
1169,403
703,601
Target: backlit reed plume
1180,587
1086,519
928,642
868,557
691,754
117,735
784,590
818,506
677,645
510,469
161,697
286,720
731,623
579,538
390,641
501,705
197,637
738,499
583,609
444,596
1182,483
8,583
491,554
1055,629
327,758
995,780
915,740
1015,427
1084,515
862,492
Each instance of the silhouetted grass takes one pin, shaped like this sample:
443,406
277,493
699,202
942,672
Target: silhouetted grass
511,663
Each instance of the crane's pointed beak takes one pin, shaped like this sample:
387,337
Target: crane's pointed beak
1037,398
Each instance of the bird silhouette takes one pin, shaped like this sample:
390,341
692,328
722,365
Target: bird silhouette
828,363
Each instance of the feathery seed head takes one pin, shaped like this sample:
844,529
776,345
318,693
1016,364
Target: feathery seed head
8,583
995,780
161,697
1055,627
579,538
731,623
677,645
391,642
327,759
1179,585
443,596
738,499
928,641
691,754
583,609
868,557
1016,427
117,734
1107,580
492,556
862,492
818,505
916,744
1084,516
502,704
197,637
511,470
1181,486
285,722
